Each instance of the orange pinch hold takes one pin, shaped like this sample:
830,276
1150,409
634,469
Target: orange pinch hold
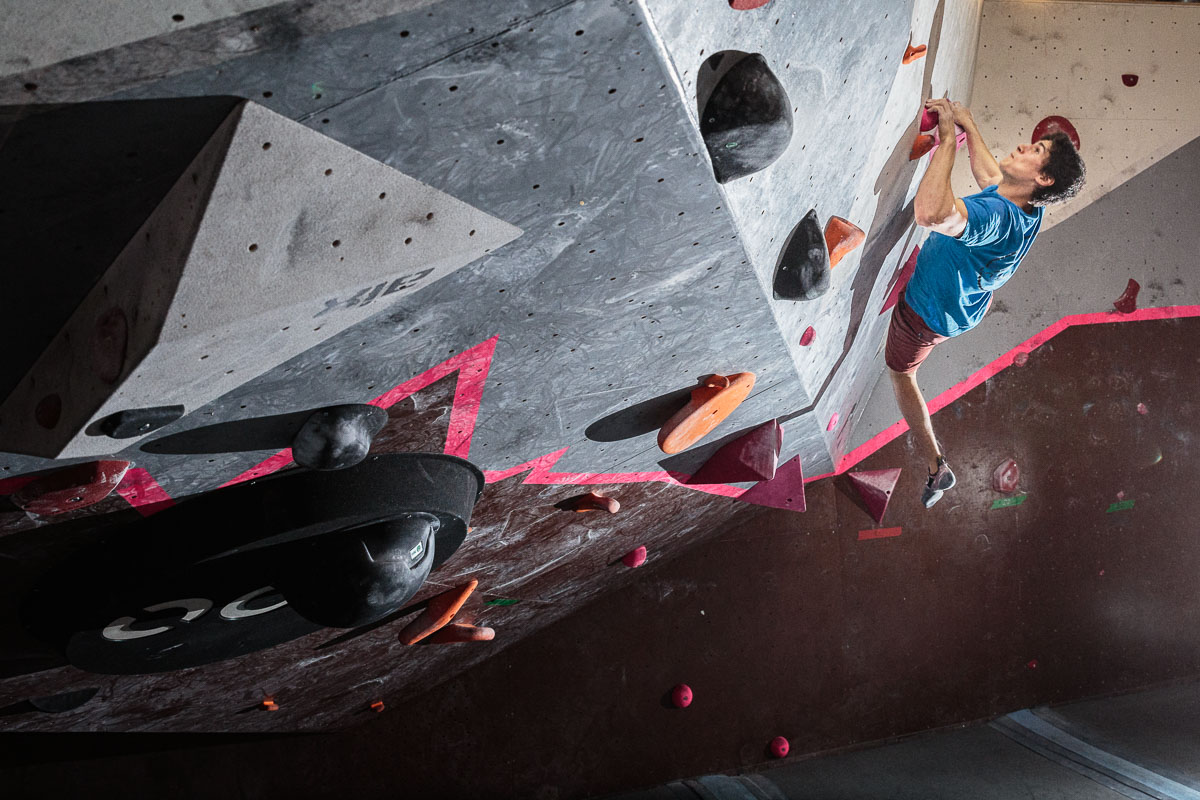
841,237
377,706
923,144
594,501
912,54
457,632
708,408
439,611
269,704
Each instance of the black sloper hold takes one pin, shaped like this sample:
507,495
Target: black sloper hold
337,437
138,421
747,121
803,269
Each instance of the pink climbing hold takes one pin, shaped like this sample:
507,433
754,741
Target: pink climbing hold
634,558
747,5
901,280
785,490
1121,495
1021,359
833,421
875,487
779,747
1032,664
681,696
1142,409
1127,302
1006,477
1129,79
752,457
808,336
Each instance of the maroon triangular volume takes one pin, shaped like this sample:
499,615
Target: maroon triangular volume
785,490
875,488
752,457
901,279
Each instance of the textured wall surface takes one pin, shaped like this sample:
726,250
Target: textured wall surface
550,361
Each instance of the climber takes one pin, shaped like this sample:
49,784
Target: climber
975,246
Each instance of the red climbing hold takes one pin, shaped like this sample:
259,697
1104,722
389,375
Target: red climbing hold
634,558
1032,664
460,632
438,612
593,501
785,490
875,487
1006,477
911,53
752,457
807,337
929,119
901,280
709,406
70,488
922,145
779,747
1127,302
841,237
1051,124
747,5
681,696
1129,79
1021,359
1141,408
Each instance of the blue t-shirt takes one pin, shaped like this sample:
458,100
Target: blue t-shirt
952,286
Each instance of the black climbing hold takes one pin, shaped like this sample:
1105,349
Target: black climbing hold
355,577
749,108
337,437
66,701
803,269
138,421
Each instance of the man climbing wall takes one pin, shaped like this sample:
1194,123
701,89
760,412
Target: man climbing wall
977,244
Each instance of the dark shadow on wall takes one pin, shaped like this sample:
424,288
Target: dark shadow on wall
79,180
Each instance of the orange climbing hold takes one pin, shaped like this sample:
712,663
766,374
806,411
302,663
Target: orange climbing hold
593,501
841,237
269,704
457,632
438,612
911,53
747,5
923,144
377,706
709,406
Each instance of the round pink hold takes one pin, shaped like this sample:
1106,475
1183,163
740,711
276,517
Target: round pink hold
1021,359
832,422
779,747
1142,409
681,696
634,558
807,338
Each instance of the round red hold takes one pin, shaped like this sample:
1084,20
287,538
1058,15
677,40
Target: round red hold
1129,79
747,5
1021,359
634,558
779,747
1006,477
70,488
1142,409
807,338
681,696
1051,124
1032,664
929,119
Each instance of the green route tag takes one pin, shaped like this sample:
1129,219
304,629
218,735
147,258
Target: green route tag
500,601
1005,502
1121,506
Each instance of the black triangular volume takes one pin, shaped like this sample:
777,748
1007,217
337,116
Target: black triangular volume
803,269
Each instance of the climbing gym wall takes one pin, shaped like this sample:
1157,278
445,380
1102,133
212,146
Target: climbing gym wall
1123,75
515,230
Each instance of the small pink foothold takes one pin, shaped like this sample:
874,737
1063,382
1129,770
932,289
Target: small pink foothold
1142,409
634,558
681,696
1032,664
1101,573
1129,79
1120,495
833,421
1127,302
1006,476
779,747
807,338
1021,359
594,501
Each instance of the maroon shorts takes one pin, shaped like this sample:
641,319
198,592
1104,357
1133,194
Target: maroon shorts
909,339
